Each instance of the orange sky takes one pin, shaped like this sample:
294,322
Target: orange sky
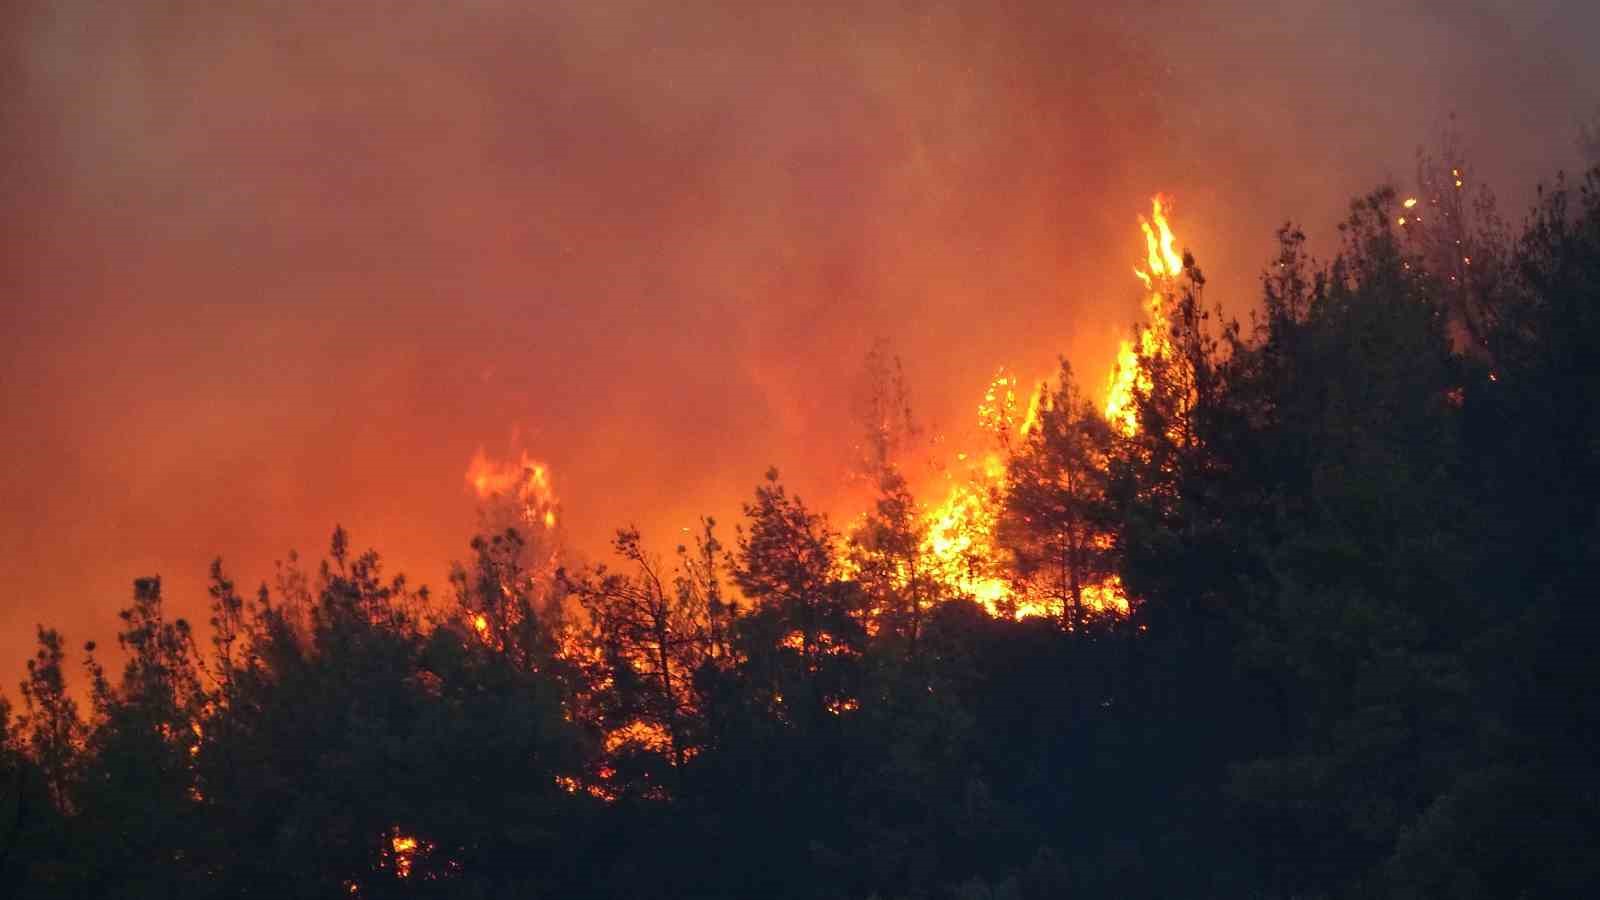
272,266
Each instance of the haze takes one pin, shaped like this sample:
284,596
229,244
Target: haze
272,267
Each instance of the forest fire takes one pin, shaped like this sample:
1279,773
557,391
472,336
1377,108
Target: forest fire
615,685
960,531
402,852
643,735
1004,576
752,473
958,543
1163,265
959,534
525,482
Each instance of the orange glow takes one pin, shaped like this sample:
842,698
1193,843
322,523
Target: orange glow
1410,202
517,494
1161,260
1107,596
1164,267
958,540
646,735
403,851
525,482
998,409
1152,341
959,532
598,791
1032,418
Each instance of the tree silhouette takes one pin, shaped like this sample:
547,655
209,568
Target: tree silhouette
1357,550
653,632
1055,521
885,549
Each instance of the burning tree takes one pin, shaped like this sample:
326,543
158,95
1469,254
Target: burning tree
653,633
1453,228
1055,524
1361,560
885,552
509,594
806,626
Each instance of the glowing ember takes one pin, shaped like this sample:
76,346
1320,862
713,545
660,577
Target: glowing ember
999,407
840,707
403,851
645,735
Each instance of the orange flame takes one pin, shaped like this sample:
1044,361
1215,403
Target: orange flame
959,536
525,482
1164,266
842,706
403,851
959,533
1162,259
646,735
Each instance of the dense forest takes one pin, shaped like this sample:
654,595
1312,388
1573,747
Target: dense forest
1353,537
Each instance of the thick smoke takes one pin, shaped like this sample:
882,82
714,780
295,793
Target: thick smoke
276,265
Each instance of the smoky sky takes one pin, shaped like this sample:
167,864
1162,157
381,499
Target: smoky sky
275,266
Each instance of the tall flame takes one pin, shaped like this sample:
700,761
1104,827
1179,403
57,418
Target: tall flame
960,531
1163,266
958,536
959,541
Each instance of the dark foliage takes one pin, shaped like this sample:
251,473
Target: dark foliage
1357,536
